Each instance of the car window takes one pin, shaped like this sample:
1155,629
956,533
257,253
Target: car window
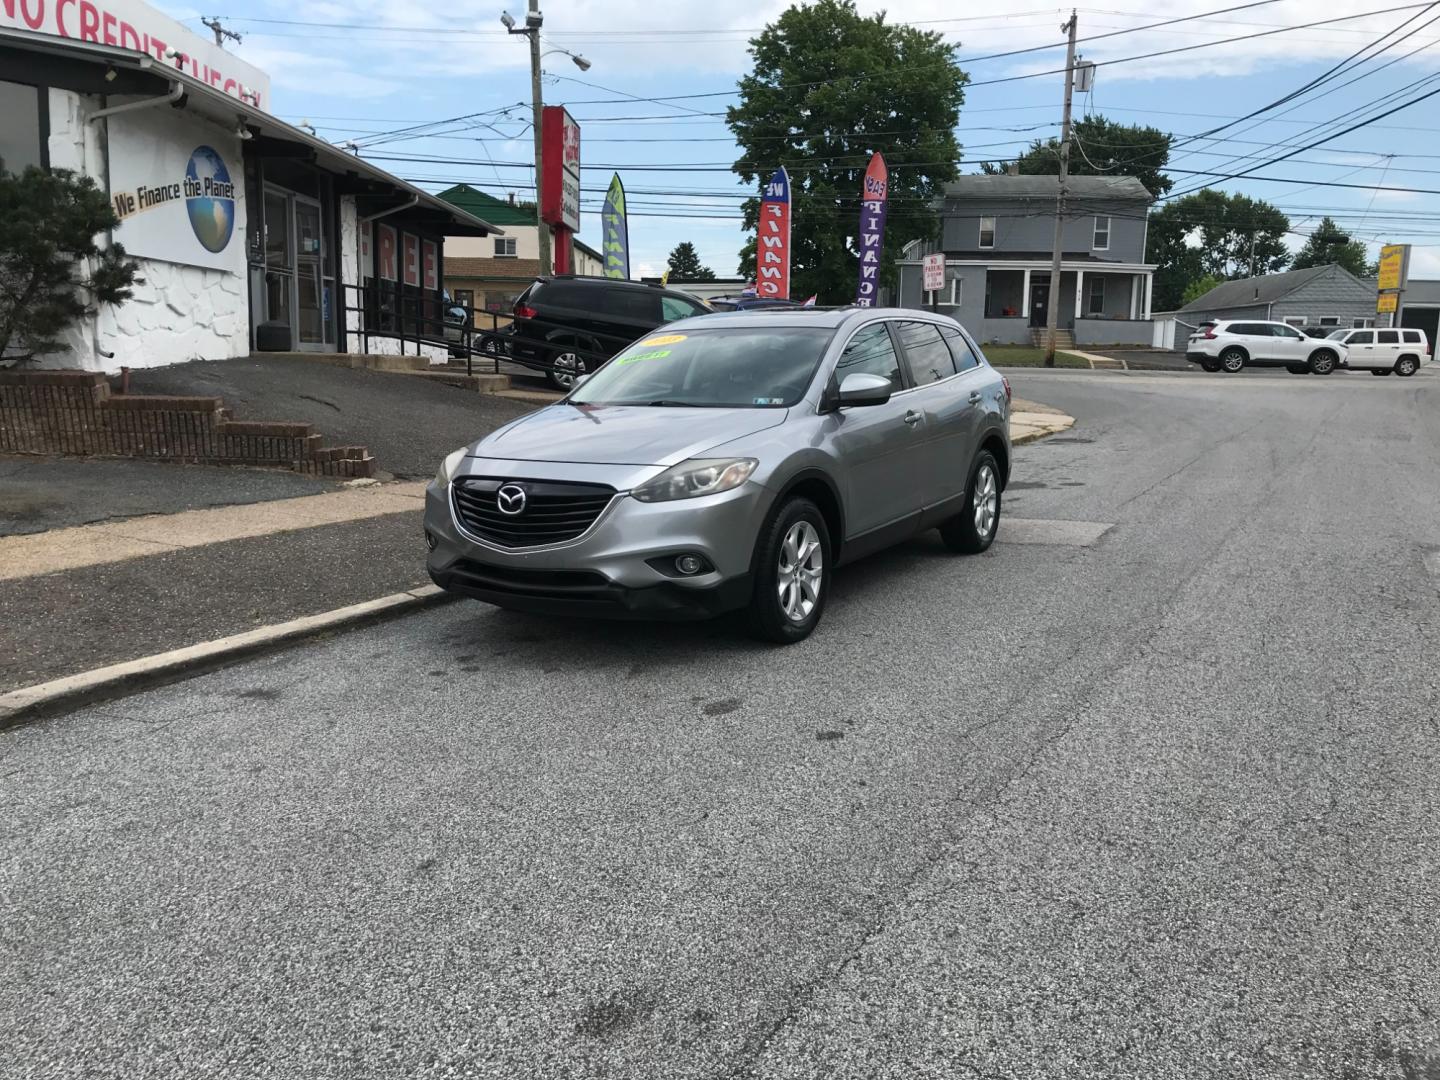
680,307
1361,337
642,305
960,350
1388,337
560,293
925,352
1413,336
1285,331
734,367
1246,329
870,351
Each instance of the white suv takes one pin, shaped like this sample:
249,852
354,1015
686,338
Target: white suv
1229,345
1401,350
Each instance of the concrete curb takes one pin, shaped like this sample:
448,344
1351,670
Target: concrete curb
119,680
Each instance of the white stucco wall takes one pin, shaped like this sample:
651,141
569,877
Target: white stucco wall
350,266
178,312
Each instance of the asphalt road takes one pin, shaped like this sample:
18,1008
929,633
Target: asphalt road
408,424
1161,806
40,493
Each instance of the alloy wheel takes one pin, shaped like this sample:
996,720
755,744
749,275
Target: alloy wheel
801,571
986,499
567,366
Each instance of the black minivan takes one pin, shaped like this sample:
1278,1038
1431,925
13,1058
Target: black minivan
567,326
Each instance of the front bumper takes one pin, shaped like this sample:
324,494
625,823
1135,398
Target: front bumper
612,571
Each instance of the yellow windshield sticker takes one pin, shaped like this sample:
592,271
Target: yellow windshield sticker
663,339
653,354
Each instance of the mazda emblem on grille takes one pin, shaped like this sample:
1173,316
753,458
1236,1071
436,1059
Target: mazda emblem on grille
510,499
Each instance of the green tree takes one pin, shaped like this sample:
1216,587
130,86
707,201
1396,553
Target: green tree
1329,244
48,224
685,264
1101,148
828,87
1198,288
1212,233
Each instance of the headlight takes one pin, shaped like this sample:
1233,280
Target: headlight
699,476
449,465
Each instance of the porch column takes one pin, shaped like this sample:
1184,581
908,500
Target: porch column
1135,280
1147,287
1025,296
1079,286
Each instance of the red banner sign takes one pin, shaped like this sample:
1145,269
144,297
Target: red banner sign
772,246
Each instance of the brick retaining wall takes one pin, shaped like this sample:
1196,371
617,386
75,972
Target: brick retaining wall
74,412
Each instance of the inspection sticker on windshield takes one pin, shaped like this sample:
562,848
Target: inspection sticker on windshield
663,339
653,354
769,401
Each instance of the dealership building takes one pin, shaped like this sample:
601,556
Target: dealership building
251,234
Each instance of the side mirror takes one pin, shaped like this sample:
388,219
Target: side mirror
580,379
862,388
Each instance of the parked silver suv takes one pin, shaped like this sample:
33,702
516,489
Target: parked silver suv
730,461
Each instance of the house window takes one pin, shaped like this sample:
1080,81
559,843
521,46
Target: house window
1294,320
987,232
1102,233
1331,321
1096,305
465,297
1362,323
505,247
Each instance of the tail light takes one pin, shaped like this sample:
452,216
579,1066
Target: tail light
1006,381
1209,334
525,311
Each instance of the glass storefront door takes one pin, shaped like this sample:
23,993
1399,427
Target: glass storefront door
298,287
309,255
279,260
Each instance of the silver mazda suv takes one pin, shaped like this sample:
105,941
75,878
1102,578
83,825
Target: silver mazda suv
730,461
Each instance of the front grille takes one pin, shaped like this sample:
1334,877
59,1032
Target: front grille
555,511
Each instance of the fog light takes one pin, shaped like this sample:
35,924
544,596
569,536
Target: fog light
431,540
689,564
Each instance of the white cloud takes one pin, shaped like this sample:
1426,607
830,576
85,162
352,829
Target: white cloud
1425,262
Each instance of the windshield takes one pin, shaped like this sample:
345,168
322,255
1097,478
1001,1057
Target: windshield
1336,335
740,367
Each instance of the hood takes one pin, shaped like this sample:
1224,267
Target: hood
622,434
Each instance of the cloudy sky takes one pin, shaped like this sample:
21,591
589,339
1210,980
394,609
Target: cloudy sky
652,103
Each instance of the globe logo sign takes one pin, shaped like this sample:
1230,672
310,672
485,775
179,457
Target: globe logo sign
210,199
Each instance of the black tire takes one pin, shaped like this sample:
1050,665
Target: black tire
1297,369
1407,366
1232,361
767,616
1211,366
963,532
1322,362
1377,371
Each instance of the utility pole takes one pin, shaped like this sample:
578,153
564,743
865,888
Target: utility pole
220,32
1052,305
532,24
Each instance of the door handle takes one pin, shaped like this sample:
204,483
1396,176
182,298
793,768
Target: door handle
974,397
912,418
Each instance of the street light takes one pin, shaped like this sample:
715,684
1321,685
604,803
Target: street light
580,61
533,21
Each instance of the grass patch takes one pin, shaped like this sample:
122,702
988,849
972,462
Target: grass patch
1029,356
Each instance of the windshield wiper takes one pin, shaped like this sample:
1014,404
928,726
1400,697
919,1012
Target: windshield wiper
667,403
